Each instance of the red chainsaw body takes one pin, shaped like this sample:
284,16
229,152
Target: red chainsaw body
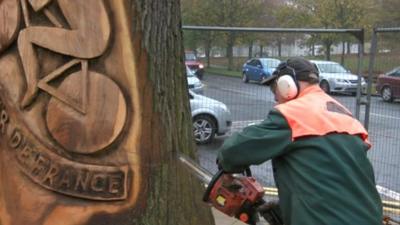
230,194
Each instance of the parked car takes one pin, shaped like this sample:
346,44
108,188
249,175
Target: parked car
210,118
388,85
194,83
194,65
334,78
258,69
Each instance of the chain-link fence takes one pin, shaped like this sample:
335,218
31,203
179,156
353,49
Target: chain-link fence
382,114
234,68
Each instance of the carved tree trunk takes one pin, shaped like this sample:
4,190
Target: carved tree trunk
93,113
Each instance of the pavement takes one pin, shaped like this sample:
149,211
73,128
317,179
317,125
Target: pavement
222,219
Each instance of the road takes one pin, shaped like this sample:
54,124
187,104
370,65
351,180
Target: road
250,103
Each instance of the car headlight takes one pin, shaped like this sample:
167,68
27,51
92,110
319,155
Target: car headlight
201,66
224,107
341,80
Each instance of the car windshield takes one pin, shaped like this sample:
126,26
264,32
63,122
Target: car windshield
270,63
190,57
394,71
189,73
331,68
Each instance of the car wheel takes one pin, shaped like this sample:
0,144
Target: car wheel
325,86
245,79
386,94
199,73
204,128
262,78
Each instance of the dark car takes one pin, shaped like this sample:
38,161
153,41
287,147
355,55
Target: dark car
258,69
194,65
388,85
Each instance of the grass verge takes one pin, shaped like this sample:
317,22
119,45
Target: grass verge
224,72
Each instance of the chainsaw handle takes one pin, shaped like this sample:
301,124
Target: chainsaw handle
206,196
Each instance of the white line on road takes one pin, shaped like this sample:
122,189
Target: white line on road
385,116
245,122
388,193
238,92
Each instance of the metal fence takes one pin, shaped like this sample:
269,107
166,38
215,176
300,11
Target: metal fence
382,112
250,102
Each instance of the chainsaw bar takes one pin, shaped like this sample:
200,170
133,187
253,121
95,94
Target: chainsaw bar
203,174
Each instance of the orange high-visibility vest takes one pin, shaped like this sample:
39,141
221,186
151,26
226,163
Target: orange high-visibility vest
314,113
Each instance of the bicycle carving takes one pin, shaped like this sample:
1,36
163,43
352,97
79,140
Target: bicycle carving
87,110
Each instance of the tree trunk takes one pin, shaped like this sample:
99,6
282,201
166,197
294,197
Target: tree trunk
229,49
343,52
208,48
261,50
279,48
348,48
313,49
328,45
250,50
94,139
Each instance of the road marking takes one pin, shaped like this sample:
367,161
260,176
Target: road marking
385,116
246,122
237,92
388,193
239,125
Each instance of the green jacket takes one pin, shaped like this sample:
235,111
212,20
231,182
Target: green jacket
325,180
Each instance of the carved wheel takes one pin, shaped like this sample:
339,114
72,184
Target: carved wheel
102,121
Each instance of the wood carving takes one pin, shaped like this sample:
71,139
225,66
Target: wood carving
67,115
10,20
87,38
87,128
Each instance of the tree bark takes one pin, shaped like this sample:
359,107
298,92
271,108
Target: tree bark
97,141
229,49
208,48
250,50
348,48
279,47
328,45
343,52
313,49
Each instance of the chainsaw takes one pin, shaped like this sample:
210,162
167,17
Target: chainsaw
236,195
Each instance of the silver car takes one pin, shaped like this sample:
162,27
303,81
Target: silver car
334,78
210,118
194,83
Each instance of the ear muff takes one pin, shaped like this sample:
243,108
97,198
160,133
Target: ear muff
287,87
287,84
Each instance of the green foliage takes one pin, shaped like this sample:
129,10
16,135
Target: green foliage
229,13
327,14
288,13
